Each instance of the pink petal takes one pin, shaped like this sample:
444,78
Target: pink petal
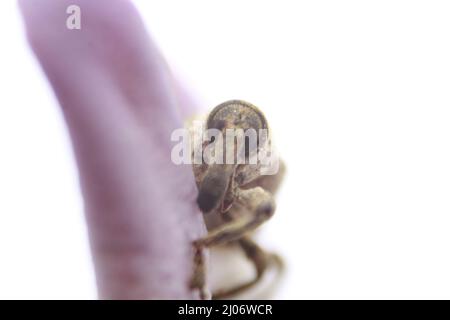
117,97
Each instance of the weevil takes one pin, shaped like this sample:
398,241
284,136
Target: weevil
235,198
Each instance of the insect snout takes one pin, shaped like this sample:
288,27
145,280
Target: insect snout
213,187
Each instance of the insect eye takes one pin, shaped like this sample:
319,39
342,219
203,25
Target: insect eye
238,114
241,114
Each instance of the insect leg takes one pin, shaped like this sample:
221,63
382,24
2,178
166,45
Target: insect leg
199,273
261,207
261,259
270,183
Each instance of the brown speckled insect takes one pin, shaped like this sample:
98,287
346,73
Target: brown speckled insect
235,198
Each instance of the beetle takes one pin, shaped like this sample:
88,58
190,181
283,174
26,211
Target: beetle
235,198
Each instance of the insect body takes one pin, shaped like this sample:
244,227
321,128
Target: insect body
234,197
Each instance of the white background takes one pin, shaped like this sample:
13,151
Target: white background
358,96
